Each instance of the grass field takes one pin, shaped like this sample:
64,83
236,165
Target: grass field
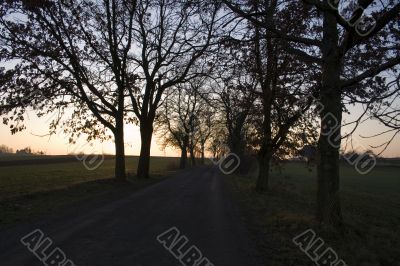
371,204
29,190
371,209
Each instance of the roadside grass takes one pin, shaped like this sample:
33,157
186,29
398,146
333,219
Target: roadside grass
371,211
15,157
27,179
28,191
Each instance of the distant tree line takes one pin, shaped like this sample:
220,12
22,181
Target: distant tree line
4,149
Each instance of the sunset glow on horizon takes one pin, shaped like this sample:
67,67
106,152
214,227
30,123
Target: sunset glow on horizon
36,129
36,137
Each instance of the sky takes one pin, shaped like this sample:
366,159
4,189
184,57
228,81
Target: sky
58,144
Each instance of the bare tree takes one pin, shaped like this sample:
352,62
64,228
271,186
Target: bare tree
171,39
235,89
207,124
350,53
172,121
184,120
70,54
284,78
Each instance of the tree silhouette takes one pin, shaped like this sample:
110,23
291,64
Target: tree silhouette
350,54
171,40
70,55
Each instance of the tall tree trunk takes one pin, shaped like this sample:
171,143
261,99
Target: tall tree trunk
236,137
236,144
192,156
120,170
264,160
328,200
265,79
146,134
183,160
202,154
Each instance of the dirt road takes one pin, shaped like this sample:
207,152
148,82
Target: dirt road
124,231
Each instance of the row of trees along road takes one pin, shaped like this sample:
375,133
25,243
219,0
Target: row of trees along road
236,75
348,62
110,61
185,121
